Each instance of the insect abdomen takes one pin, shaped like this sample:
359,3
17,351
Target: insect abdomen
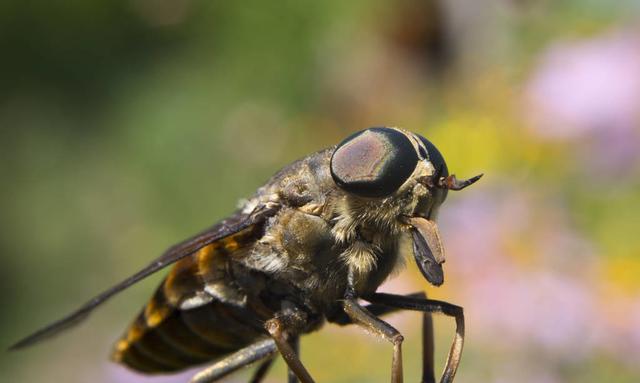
167,336
186,338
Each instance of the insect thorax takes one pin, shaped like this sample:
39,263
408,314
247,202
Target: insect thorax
321,232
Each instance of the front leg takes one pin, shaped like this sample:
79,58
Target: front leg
430,306
378,310
364,318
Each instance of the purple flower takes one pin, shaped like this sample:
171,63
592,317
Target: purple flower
590,91
530,281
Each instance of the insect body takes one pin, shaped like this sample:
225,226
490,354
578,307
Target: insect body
321,234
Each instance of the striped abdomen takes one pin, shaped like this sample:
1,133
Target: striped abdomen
196,315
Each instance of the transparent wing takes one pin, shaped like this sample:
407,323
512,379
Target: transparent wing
235,224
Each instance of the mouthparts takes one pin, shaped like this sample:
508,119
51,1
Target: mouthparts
428,250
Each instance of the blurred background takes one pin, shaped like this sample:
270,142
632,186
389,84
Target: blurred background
128,125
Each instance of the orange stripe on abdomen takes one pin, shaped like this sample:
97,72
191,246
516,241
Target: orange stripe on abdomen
170,346
183,325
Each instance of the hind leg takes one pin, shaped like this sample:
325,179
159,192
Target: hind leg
250,354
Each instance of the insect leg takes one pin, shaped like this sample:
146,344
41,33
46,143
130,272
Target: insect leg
282,328
376,309
430,306
295,345
252,353
366,319
343,319
428,348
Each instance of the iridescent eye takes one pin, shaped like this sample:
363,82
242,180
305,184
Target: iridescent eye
373,162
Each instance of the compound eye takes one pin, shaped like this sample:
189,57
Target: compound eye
374,162
434,156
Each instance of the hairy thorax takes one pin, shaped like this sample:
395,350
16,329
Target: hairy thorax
322,233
